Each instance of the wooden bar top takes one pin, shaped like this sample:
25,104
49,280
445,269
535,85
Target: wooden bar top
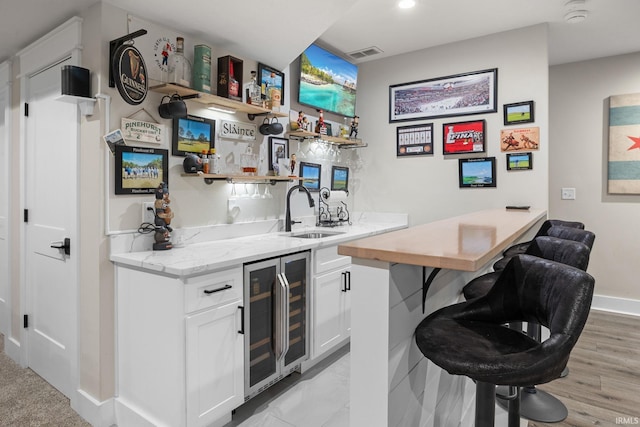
466,242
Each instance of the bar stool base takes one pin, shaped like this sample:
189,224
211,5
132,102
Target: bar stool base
537,405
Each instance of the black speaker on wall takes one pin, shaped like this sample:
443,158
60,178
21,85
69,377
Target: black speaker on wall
76,81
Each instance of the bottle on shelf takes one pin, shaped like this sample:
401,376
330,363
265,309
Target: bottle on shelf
180,70
214,162
205,162
254,96
234,88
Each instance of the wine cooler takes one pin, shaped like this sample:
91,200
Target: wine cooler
276,319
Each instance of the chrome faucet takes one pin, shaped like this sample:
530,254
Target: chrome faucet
287,215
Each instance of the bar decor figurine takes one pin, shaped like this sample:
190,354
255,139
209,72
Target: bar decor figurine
163,216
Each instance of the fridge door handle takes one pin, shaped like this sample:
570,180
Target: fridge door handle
278,327
285,312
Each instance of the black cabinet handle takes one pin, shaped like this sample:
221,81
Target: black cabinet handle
213,291
348,273
343,288
241,331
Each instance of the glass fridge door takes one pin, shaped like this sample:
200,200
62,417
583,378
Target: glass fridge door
260,356
296,272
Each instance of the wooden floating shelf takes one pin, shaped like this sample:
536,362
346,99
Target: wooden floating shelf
210,100
209,178
342,142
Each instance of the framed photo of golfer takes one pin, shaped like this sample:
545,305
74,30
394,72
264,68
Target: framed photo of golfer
520,112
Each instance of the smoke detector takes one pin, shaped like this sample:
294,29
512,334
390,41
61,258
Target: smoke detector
575,11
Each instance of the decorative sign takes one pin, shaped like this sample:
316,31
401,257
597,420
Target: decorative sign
142,131
522,139
414,140
157,46
624,144
238,130
129,71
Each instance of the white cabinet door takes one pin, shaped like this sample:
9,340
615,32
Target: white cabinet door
215,364
330,300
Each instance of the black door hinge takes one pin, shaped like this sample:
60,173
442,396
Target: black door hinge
25,215
25,321
26,109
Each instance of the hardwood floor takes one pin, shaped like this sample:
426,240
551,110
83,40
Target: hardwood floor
603,385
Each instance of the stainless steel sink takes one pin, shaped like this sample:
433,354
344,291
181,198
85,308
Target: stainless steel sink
316,234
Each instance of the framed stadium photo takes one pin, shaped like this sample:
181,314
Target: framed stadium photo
456,95
520,112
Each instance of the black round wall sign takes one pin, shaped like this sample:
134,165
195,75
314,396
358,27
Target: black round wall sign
130,74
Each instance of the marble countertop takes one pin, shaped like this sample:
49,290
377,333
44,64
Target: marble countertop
204,257
465,242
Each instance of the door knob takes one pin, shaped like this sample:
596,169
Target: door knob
66,245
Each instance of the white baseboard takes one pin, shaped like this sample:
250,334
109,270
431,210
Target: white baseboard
98,414
12,349
127,415
616,305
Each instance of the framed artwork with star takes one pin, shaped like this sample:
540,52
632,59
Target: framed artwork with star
624,144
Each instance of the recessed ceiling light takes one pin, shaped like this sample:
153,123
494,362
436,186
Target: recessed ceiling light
576,16
406,4
576,11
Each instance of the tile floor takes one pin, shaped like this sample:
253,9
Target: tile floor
319,398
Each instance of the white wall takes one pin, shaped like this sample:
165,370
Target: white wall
426,187
579,96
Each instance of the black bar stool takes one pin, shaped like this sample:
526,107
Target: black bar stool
561,232
570,252
470,338
538,405
520,248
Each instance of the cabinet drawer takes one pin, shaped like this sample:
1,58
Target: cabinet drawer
326,259
212,289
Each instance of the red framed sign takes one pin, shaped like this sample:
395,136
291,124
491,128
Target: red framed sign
463,137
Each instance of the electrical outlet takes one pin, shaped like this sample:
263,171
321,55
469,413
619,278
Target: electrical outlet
568,194
148,212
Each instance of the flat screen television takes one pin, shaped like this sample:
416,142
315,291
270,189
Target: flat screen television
327,82
477,172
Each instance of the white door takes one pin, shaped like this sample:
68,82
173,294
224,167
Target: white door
51,200
4,214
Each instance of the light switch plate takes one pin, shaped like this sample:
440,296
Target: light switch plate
568,194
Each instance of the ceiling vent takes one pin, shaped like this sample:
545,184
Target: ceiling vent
364,53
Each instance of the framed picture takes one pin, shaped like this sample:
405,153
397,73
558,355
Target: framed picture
192,134
140,170
414,140
478,172
339,178
327,127
519,161
311,172
278,149
521,139
114,138
271,79
457,95
463,137
520,112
